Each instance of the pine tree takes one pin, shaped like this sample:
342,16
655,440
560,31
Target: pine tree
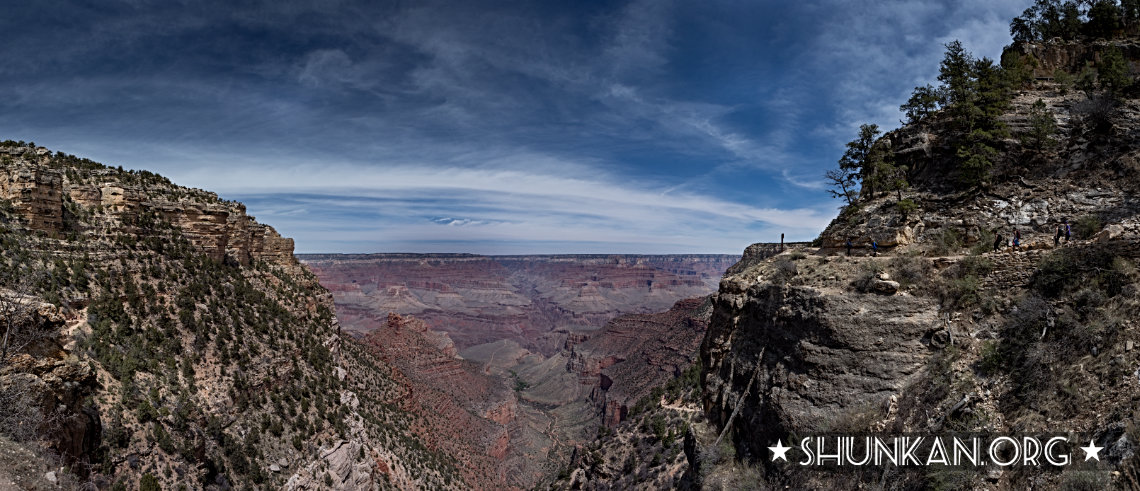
954,73
1042,126
1112,71
843,184
859,157
923,102
1104,20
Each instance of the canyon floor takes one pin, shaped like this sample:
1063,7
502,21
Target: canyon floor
540,349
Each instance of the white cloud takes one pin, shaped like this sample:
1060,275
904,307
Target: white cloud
495,204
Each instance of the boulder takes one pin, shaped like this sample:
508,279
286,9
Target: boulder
1111,232
885,287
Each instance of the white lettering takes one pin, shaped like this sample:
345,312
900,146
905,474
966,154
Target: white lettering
940,449
882,449
993,450
822,458
1058,459
1031,448
850,451
805,445
960,450
908,454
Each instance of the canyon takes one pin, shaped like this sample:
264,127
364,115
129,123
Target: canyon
536,301
185,343
514,361
163,338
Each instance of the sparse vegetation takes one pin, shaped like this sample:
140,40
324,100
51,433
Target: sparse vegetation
946,242
1087,226
172,331
961,285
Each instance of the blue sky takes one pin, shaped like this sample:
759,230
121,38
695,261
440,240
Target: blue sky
502,127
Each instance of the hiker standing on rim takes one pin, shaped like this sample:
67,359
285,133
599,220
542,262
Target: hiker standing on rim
781,242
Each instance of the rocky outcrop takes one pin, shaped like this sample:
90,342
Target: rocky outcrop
1072,56
758,252
825,354
36,193
39,191
45,386
156,353
465,412
339,465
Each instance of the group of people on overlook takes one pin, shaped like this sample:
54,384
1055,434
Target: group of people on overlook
1063,230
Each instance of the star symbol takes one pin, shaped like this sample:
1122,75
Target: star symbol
780,451
1092,451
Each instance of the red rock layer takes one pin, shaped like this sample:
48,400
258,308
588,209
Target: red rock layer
465,413
527,299
634,353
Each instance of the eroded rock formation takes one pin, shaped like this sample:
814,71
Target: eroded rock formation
533,300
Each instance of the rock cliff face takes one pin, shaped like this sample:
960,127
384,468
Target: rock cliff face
532,300
160,334
41,193
826,353
632,354
1073,56
466,413
945,330
1032,193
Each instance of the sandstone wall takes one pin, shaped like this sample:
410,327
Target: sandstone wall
39,193
1072,56
36,194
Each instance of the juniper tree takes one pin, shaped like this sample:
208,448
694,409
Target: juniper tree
1112,71
842,184
923,102
859,158
1042,126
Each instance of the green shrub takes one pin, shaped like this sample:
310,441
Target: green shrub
1064,80
149,483
1085,480
1070,269
785,270
851,215
985,243
961,292
1087,226
907,207
946,242
909,270
990,360
867,274
961,286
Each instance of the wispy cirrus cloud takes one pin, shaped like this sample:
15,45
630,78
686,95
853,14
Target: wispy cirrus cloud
641,125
